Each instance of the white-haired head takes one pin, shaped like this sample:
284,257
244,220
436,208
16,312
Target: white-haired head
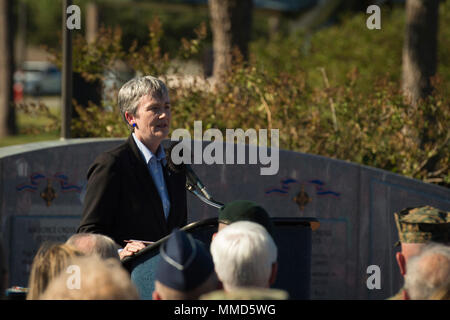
428,272
244,255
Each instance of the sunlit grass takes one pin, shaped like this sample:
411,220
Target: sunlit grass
32,126
28,138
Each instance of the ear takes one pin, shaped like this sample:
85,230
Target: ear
405,295
273,273
213,236
221,226
130,118
401,261
156,296
219,285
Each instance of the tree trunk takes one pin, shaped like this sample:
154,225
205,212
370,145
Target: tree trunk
91,22
420,48
231,22
7,114
21,44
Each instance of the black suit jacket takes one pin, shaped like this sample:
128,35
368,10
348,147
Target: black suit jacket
122,201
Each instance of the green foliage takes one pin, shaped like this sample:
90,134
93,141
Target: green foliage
177,21
42,18
337,95
95,61
340,49
375,128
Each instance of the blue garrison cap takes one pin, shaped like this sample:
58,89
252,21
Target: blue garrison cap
185,262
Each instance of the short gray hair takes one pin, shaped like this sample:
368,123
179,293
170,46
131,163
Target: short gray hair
91,243
131,93
243,255
427,272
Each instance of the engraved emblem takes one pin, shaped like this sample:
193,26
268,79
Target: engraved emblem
49,193
302,199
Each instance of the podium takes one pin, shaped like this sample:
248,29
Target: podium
291,235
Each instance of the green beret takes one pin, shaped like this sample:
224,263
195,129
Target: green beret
243,210
422,224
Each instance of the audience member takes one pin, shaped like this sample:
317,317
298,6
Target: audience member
92,243
48,263
185,270
244,210
416,227
245,256
99,279
428,272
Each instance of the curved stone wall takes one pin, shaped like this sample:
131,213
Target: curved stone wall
42,185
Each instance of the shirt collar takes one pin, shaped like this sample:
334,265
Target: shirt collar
148,155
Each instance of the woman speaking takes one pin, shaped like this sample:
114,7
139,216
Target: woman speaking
130,192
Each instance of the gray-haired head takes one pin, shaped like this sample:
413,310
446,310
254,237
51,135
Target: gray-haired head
91,243
428,272
131,93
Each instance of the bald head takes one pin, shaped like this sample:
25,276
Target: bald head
91,243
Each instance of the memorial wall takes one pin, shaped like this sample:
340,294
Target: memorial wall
42,187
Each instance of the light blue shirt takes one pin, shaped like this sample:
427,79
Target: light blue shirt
154,165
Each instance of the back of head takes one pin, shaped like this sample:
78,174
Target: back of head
418,226
48,263
243,254
244,210
91,243
98,279
428,272
185,270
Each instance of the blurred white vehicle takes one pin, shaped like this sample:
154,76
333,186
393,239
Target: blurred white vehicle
39,78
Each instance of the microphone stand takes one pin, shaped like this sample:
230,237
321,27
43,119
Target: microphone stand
209,201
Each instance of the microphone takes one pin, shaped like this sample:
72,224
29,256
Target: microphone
210,201
192,180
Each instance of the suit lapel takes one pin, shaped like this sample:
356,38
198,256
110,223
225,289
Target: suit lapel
143,176
168,176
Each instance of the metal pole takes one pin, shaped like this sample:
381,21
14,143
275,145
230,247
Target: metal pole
66,85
